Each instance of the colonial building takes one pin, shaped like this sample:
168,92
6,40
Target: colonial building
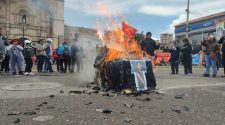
33,19
86,35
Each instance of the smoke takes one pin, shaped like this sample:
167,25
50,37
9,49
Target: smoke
87,73
43,5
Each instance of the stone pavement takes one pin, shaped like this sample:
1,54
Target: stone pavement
58,99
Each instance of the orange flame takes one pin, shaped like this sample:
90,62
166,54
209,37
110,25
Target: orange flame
120,46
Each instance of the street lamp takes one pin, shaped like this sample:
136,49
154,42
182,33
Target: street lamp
24,20
187,23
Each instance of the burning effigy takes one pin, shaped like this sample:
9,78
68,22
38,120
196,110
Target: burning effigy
121,64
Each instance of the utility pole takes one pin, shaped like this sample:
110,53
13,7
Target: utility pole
187,23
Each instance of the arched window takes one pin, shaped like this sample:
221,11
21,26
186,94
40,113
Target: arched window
23,17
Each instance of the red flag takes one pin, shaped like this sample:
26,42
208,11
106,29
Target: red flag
128,30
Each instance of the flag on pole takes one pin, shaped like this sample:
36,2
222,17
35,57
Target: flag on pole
128,30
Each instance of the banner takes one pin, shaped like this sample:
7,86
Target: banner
220,28
162,57
196,59
128,30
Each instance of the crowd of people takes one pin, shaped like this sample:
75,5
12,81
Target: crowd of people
18,56
182,54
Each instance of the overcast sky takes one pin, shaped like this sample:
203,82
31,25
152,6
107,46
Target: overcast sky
157,16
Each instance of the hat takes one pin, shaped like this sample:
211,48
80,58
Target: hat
50,40
27,41
4,37
148,34
15,40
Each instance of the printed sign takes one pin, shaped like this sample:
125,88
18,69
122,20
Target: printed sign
138,68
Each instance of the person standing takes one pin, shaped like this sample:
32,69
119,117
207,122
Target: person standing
186,50
174,59
16,57
28,53
2,52
5,63
64,53
40,54
149,45
48,61
222,41
211,51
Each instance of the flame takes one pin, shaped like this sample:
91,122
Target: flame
120,46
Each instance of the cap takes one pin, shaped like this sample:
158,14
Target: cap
50,40
148,34
27,41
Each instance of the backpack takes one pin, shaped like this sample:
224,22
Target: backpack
28,52
66,51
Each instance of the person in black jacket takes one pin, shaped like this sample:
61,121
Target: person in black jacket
174,59
186,50
222,41
149,45
28,53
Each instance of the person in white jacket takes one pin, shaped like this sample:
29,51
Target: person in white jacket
16,57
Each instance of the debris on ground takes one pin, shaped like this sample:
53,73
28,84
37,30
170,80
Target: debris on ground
76,92
106,111
96,88
14,113
51,107
17,121
176,110
29,113
52,96
128,105
144,99
43,118
44,103
127,120
61,91
187,109
89,103
179,96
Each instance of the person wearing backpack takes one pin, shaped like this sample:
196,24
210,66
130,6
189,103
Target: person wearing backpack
64,53
28,53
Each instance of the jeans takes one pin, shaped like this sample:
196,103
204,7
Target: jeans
210,62
48,64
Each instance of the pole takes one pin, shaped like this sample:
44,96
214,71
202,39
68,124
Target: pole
187,23
23,32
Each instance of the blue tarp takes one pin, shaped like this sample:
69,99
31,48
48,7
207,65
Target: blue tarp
196,59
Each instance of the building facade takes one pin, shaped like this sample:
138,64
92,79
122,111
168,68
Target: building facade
32,19
86,35
200,29
166,40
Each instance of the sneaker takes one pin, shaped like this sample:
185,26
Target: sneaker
205,75
172,73
214,76
31,73
26,73
189,74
